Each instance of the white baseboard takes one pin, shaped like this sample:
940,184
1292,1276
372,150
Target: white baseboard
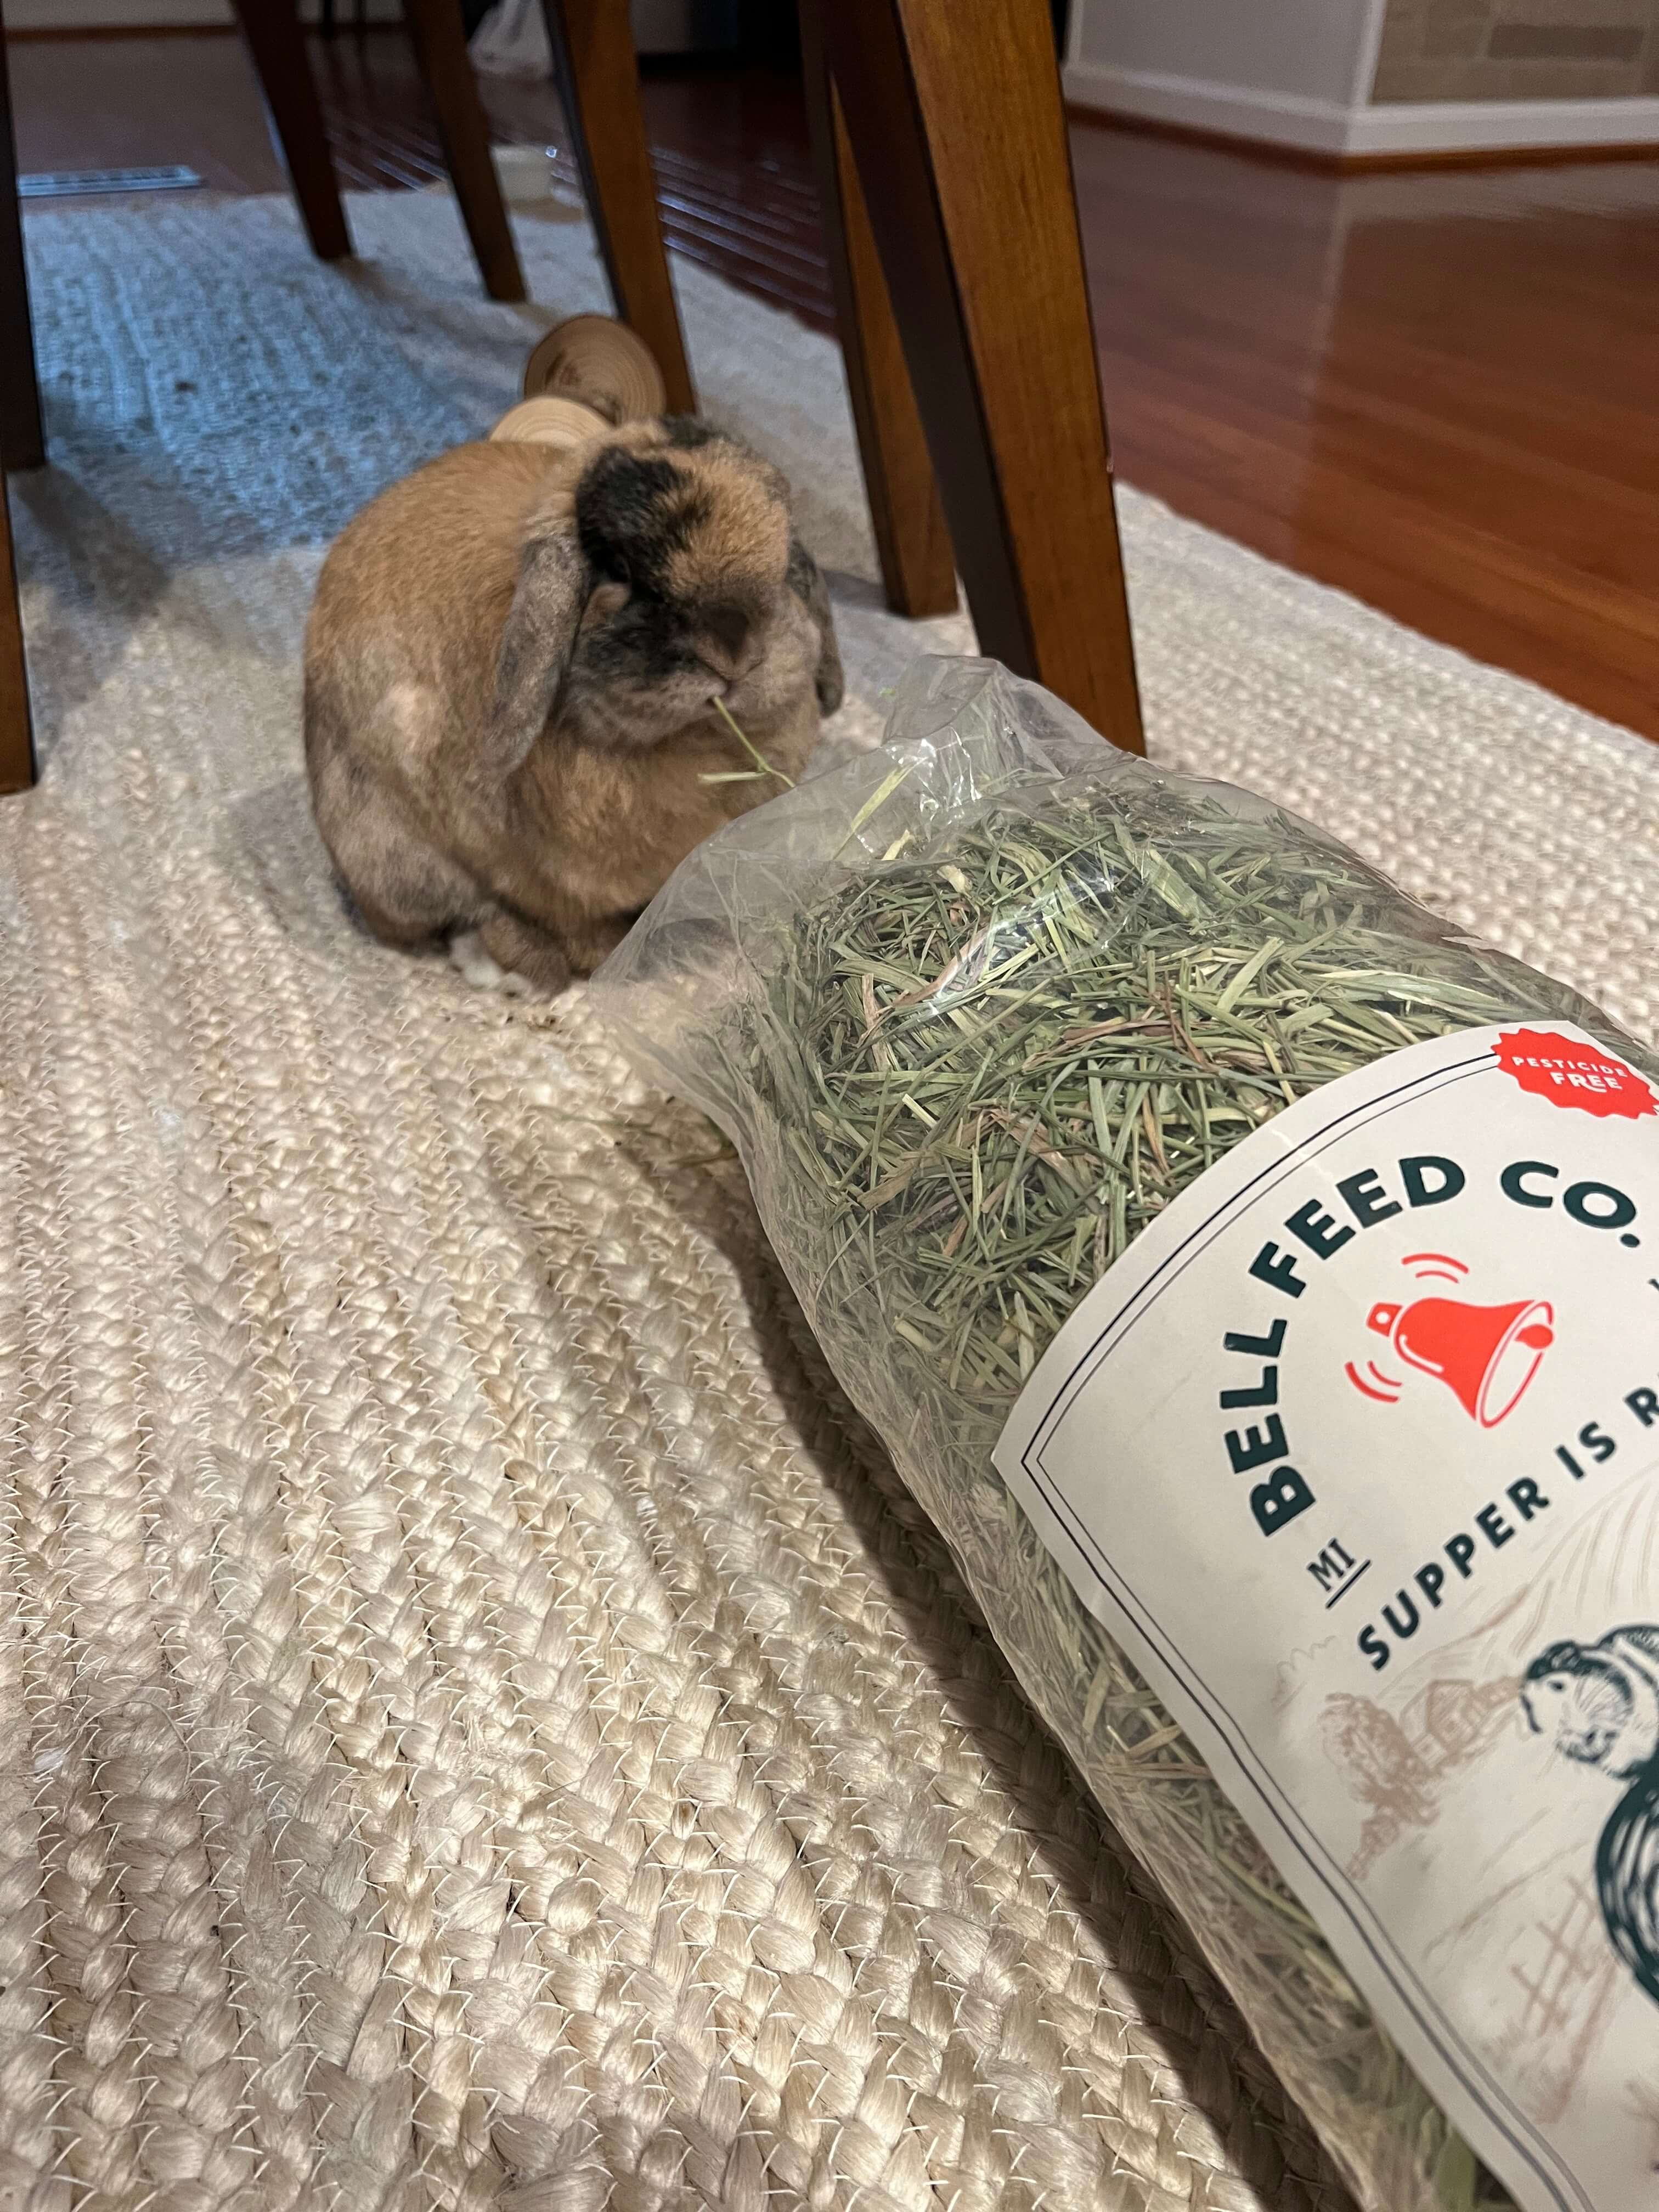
1455,126
1326,126
1281,119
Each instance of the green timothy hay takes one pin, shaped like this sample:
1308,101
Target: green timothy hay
974,1010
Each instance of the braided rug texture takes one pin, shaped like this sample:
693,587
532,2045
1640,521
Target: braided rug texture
481,1726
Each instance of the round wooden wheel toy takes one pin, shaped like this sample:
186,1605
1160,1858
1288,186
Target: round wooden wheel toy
595,359
546,422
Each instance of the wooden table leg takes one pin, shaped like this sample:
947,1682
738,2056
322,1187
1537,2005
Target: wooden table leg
955,117
599,84
439,39
16,731
276,45
918,567
23,442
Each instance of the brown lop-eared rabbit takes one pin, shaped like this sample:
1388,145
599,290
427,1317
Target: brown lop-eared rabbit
510,674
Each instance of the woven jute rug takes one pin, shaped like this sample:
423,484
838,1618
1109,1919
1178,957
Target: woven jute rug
481,1724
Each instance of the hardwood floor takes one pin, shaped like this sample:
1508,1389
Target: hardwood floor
1435,391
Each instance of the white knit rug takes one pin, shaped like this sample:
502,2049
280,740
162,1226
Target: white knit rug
480,1726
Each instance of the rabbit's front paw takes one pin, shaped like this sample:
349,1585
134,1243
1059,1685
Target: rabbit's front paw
479,967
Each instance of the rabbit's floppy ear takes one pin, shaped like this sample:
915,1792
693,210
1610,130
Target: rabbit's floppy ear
552,590
806,582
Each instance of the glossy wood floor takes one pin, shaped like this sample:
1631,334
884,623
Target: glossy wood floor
1439,392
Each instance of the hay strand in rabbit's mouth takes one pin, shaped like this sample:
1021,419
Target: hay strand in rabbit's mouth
762,766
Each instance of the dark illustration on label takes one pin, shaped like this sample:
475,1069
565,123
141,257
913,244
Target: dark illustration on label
1486,1356
1599,1706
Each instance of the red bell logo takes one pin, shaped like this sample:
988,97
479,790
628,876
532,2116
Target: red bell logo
1485,1355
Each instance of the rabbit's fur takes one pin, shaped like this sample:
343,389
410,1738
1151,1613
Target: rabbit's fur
510,668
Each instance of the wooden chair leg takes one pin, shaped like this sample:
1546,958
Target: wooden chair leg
276,45
439,38
23,442
17,729
918,567
955,117
599,84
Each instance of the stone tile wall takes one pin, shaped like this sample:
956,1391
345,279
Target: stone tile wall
1518,50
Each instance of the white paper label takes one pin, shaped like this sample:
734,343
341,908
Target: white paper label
1356,1452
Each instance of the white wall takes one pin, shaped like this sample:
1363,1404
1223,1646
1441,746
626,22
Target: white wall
1312,48
1298,73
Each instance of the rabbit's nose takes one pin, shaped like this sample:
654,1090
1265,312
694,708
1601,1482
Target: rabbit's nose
729,643
746,666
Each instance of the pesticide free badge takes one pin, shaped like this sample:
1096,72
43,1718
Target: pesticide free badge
1384,1343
